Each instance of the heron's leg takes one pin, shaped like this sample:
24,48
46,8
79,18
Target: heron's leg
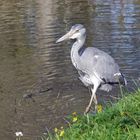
93,98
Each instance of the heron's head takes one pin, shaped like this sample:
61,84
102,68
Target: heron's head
76,31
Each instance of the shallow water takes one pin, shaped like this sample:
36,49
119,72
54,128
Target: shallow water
38,84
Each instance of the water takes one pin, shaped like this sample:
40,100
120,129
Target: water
38,84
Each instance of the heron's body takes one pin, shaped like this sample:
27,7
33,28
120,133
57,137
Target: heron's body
96,68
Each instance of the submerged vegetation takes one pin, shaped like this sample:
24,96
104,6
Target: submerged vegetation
119,122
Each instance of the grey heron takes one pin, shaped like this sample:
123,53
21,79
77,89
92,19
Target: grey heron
96,68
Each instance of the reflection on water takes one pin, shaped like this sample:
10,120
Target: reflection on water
38,84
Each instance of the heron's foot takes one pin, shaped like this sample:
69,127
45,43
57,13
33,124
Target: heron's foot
87,109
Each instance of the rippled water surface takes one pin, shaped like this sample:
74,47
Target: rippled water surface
38,84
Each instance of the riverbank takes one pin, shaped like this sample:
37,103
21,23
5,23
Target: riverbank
119,122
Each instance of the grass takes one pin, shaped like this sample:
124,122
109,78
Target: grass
119,122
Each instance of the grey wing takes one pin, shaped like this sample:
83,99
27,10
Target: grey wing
105,67
101,64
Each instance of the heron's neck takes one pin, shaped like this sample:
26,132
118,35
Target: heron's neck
75,56
78,44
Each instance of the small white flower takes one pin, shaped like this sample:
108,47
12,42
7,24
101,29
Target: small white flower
19,134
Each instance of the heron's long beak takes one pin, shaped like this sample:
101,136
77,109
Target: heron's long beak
65,37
